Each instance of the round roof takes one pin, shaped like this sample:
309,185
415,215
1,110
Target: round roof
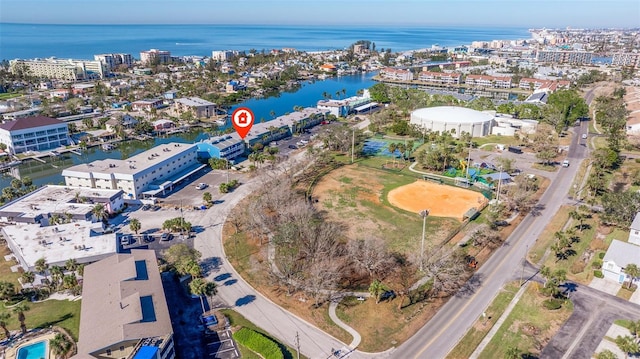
450,114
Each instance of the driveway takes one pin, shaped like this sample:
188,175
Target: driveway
605,285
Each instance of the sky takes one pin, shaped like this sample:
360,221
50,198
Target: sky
491,13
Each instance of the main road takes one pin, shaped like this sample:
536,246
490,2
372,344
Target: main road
452,321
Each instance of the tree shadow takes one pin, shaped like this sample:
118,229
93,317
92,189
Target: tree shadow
230,282
537,209
210,265
59,320
568,288
470,286
222,277
197,229
245,300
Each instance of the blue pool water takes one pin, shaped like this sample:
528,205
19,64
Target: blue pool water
33,351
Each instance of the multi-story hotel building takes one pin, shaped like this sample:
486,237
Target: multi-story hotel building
124,311
37,133
155,56
224,55
115,60
564,57
396,74
488,81
440,77
69,69
147,173
199,107
626,59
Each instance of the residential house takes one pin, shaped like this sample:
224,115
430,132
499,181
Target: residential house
619,255
37,133
163,124
634,230
146,104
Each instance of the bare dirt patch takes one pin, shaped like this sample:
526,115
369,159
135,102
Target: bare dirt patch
441,200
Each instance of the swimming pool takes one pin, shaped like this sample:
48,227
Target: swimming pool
33,351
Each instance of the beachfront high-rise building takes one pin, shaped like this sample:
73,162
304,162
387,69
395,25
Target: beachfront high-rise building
155,56
67,69
115,60
224,55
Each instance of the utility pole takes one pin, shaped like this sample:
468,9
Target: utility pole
227,170
524,261
298,345
468,160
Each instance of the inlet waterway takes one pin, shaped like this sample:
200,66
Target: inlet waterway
307,95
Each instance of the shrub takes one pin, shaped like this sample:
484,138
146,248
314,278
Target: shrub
577,267
637,160
552,304
597,264
598,274
258,343
601,255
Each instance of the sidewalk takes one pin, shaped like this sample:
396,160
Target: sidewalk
483,344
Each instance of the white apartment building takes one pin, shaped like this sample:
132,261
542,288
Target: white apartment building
626,59
37,133
154,55
488,81
147,173
564,57
440,77
396,74
223,55
68,69
199,107
114,60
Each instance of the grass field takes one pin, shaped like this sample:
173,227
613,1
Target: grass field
7,95
237,320
528,327
6,274
62,313
546,237
482,326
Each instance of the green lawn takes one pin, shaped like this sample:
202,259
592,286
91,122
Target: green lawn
62,313
546,237
527,327
505,140
8,95
479,330
6,274
237,320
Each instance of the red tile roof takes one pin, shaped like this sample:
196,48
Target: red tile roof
29,122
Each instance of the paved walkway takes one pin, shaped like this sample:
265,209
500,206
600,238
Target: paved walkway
332,314
483,344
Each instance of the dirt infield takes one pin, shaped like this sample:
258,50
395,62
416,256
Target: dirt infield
441,200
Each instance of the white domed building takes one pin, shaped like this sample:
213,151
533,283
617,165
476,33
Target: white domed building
454,120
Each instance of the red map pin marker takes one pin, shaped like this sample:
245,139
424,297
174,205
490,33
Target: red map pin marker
242,119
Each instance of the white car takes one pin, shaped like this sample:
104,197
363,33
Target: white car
584,136
565,163
201,186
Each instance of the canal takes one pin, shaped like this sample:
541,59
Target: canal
307,95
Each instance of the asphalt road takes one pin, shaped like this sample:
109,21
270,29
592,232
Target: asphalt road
452,321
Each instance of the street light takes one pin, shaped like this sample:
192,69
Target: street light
424,213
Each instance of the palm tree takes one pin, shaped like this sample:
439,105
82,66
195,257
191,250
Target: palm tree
606,354
207,197
634,328
4,318
56,276
633,272
577,216
71,264
100,213
20,309
376,288
627,344
69,281
42,266
392,148
7,289
197,287
513,353
28,277
134,225
61,345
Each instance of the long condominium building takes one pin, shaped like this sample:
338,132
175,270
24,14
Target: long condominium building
440,77
626,59
147,173
37,133
67,69
564,57
396,74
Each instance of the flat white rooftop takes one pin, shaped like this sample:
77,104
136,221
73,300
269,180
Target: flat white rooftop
134,164
59,243
58,199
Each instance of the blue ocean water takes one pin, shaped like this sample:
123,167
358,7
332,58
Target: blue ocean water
83,41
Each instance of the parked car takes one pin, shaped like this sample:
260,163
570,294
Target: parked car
584,136
146,207
147,238
201,186
565,163
166,236
155,208
125,240
293,147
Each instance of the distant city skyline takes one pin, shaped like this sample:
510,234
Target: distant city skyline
490,13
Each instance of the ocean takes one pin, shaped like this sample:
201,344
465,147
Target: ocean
28,41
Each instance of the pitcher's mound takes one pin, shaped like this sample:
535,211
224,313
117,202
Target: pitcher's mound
441,200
